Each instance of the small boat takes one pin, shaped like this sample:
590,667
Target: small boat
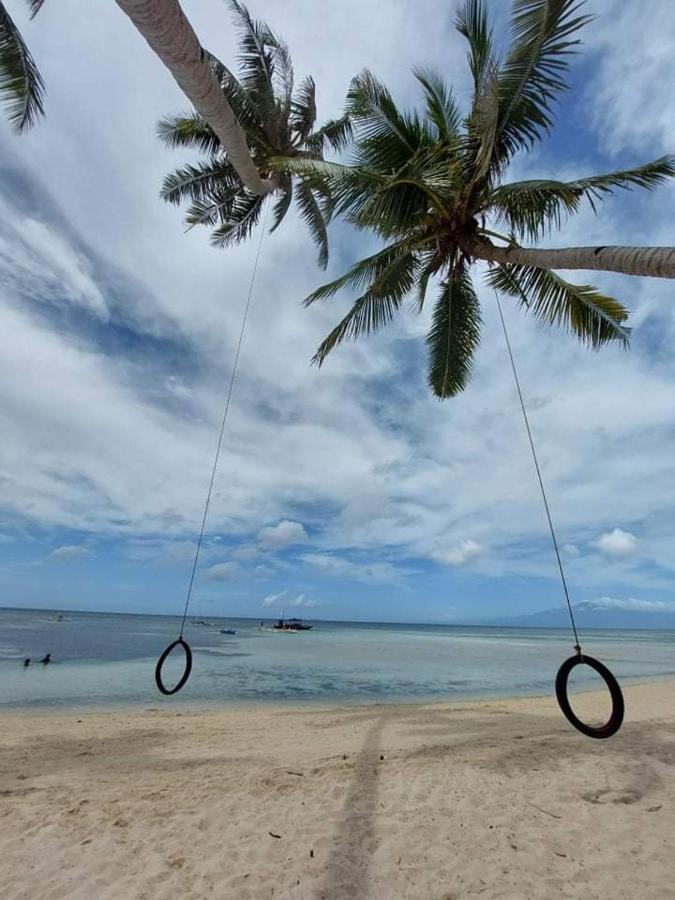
291,625
201,622
227,631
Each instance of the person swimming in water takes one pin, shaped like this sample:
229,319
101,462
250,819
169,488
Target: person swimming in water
26,662
47,658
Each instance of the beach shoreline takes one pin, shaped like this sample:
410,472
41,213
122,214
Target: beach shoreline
498,798
311,704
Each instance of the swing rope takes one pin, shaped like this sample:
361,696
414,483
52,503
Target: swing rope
233,378
554,539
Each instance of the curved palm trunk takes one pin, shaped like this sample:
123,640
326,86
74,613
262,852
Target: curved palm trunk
658,262
165,27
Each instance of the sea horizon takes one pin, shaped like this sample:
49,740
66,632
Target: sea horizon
307,617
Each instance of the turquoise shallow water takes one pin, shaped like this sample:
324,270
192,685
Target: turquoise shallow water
105,659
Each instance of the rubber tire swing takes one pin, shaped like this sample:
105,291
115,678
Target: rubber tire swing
615,720
163,658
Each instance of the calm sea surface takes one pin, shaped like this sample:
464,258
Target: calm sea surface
105,659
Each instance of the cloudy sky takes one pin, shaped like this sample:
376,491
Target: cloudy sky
346,492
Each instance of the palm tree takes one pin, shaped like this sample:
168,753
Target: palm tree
279,121
432,185
22,90
167,30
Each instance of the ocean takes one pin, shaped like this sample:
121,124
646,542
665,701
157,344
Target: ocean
102,659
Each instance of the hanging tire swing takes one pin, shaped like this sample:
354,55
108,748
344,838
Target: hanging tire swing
615,720
180,640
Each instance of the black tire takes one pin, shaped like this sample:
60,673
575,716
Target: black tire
616,718
186,674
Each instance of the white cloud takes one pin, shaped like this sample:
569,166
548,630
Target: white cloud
459,554
273,599
69,552
617,543
284,534
632,604
304,601
224,571
373,573
246,552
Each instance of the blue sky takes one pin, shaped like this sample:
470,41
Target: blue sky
342,493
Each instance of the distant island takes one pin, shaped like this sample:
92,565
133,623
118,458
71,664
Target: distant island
589,614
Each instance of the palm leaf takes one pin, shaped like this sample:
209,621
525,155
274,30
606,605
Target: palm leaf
205,179
35,7
243,217
441,108
303,108
534,72
529,207
282,205
593,317
188,130
363,273
454,335
22,90
313,218
377,306
242,103
387,138
472,22
257,48
646,176
337,133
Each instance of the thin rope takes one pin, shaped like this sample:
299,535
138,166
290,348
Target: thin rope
230,389
577,646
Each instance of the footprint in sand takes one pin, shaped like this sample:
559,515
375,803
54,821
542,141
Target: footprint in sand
610,796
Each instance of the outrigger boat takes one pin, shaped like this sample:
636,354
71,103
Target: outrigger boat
291,625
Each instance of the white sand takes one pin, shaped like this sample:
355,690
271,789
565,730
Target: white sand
493,800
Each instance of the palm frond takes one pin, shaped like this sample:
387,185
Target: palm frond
647,176
431,263
243,105
387,137
35,7
303,108
242,219
257,49
378,305
454,335
531,207
534,72
200,181
313,218
472,22
441,108
363,273
337,133
22,90
283,75
283,203
593,317
188,130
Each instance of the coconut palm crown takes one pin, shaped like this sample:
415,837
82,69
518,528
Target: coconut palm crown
279,120
429,185
22,90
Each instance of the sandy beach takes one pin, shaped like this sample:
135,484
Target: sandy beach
498,799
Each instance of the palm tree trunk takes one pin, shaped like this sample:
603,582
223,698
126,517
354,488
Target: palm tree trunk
656,261
165,27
